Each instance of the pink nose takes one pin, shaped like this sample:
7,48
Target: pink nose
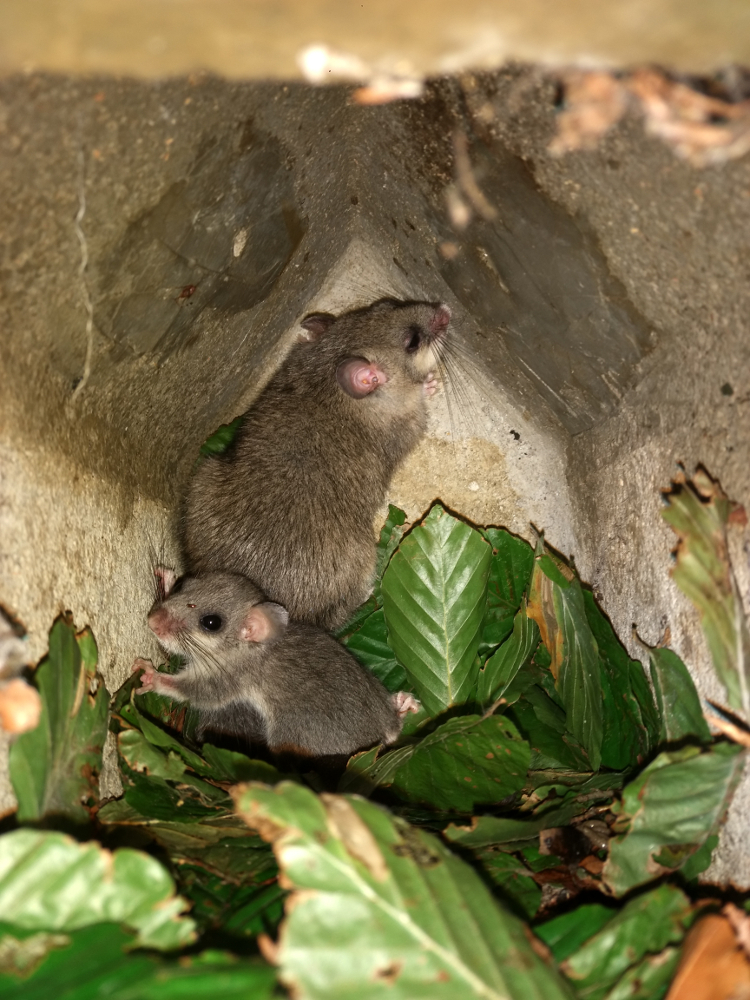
160,622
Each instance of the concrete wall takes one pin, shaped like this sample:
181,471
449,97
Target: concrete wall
600,304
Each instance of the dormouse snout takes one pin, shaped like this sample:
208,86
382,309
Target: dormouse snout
162,624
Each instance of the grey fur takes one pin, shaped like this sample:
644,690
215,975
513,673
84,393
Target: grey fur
292,504
300,690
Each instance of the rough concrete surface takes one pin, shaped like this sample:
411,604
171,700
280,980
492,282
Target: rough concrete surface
599,317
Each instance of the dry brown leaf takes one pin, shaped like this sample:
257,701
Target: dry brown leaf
701,129
595,101
712,967
729,729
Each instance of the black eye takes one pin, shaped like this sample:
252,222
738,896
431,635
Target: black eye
211,623
413,339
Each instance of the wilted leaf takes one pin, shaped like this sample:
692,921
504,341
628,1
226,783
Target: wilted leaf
465,762
49,882
504,664
556,605
631,723
509,577
698,513
95,963
645,925
669,811
54,768
385,909
434,595
678,701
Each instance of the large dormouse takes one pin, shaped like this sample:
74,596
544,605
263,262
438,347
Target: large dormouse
291,504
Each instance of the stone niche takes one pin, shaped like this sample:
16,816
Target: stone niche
160,241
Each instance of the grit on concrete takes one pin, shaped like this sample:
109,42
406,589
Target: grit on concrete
603,312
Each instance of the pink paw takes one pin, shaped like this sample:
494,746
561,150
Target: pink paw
430,384
148,677
404,702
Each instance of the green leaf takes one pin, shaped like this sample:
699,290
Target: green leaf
222,438
366,770
95,963
434,595
542,723
379,908
645,925
556,605
564,805
54,768
245,909
499,671
698,513
468,761
49,882
369,644
649,979
512,877
678,701
390,536
509,577
565,933
631,724
669,811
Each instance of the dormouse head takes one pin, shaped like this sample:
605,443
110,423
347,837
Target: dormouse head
389,342
212,612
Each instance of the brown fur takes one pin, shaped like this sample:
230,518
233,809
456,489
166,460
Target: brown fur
298,688
292,504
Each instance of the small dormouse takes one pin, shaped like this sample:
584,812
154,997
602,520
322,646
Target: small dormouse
291,505
253,673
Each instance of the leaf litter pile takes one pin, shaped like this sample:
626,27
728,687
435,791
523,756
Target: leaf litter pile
537,832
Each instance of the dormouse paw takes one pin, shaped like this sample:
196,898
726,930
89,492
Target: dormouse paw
404,702
430,384
148,676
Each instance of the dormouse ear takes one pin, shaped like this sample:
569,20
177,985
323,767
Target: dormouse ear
264,622
165,580
315,325
358,378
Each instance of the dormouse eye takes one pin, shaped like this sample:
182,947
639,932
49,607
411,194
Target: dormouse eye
211,623
413,339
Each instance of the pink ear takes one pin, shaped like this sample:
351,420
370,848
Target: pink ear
165,580
264,622
316,325
358,378
440,319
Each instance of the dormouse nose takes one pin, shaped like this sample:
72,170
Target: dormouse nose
160,622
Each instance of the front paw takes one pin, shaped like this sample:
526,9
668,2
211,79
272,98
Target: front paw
148,678
430,384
